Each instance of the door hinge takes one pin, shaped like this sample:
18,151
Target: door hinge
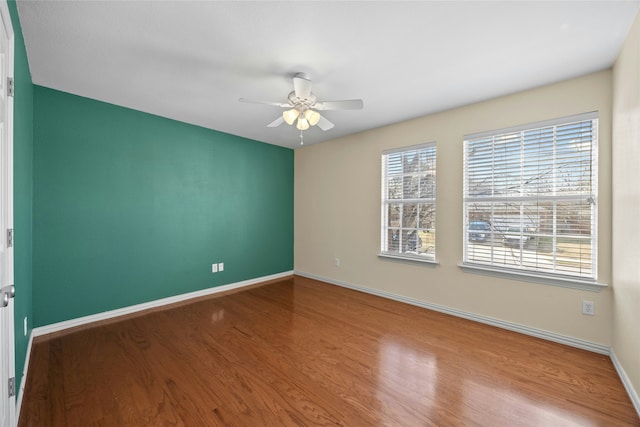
10,88
12,386
9,237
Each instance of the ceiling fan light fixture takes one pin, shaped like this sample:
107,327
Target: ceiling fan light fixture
302,107
312,117
290,116
303,124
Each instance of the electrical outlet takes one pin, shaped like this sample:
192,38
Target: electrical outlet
337,262
214,268
221,266
588,308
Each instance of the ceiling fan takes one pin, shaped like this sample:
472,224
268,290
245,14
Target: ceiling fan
302,106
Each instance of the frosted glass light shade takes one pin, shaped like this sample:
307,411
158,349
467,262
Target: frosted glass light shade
303,124
312,117
290,116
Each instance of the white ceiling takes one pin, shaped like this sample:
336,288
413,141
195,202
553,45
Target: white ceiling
192,60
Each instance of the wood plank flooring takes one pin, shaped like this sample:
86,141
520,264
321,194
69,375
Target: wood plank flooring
300,352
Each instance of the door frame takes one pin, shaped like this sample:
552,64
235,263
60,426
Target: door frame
6,192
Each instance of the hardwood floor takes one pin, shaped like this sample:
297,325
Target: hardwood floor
301,352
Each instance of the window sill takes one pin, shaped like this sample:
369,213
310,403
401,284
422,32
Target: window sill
410,258
565,282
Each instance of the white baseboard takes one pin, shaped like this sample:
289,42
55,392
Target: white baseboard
538,333
633,395
60,326
23,381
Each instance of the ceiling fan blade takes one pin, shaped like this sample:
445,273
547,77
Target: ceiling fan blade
302,85
325,124
276,122
348,104
276,104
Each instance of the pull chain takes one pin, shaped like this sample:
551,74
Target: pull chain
301,139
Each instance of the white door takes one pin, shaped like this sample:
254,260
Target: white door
7,365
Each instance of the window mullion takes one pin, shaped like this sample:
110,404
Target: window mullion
554,234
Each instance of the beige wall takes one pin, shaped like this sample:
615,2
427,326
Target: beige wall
337,213
626,207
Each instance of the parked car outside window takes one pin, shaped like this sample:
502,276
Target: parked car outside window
413,242
479,231
514,235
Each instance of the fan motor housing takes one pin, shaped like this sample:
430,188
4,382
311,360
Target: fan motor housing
305,102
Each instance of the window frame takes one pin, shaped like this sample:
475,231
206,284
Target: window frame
581,281
428,258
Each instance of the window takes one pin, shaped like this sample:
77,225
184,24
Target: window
530,198
409,202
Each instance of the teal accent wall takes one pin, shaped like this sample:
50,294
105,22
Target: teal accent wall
22,190
129,207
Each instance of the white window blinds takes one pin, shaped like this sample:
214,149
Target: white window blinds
530,197
409,202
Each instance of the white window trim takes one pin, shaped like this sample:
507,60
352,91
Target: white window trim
545,123
552,279
411,258
526,276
